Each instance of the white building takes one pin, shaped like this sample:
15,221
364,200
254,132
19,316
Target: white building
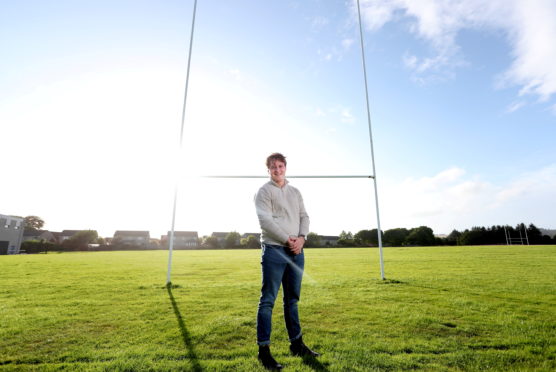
11,234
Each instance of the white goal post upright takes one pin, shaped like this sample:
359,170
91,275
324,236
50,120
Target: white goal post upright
379,231
373,176
171,237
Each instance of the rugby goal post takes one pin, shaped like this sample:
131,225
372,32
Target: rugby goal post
373,176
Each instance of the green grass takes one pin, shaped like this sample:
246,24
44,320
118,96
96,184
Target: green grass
442,309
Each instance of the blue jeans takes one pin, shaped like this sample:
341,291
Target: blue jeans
279,265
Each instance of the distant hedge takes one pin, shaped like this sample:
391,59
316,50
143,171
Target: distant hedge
35,246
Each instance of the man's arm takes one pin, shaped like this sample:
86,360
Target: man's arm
296,244
303,218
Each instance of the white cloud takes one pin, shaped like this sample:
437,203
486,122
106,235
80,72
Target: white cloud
336,53
442,178
326,55
533,183
346,115
410,61
530,28
451,199
319,22
347,43
533,35
445,192
377,13
515,106
338,112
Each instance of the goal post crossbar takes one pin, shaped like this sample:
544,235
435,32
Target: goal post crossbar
328,176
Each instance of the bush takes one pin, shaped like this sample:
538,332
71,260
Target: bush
35,246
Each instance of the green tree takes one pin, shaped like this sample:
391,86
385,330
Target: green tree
250,241
367,237
363,237
476,236
420,236
232,239
33,223
346,239
452,238
346,235
80,240
395,237
313,240
210,242
534,235
546,239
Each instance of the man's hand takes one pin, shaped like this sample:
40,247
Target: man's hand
296,244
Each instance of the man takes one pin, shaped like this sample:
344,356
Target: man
284,224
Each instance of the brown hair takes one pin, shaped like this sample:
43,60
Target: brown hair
274,157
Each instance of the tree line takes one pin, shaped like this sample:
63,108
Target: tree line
397,237
424,236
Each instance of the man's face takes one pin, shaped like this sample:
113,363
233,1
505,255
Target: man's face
277,171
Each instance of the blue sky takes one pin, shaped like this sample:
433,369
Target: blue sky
461,93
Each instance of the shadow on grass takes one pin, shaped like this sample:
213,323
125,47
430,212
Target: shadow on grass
184,333
314,363
391,281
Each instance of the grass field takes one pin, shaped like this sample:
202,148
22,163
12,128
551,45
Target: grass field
441,308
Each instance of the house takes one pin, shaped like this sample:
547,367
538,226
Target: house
328,240
182,239
56,236
256,235
138,239
250,243
11,234
66,234
40,235
221,237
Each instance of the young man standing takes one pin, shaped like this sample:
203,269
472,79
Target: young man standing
284,224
